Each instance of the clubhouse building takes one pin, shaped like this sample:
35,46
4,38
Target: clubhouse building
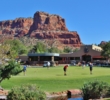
86,53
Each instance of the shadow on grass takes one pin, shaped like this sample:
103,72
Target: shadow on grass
59,75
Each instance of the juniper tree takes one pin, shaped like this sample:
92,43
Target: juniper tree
8,64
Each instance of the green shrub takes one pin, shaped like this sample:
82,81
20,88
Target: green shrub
94,90
108,93
26,92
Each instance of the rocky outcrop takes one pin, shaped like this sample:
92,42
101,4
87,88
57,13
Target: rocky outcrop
64,37
17,27
42,26
44,21
102,43
17,23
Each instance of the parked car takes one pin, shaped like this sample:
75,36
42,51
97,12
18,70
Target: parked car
45,64
105,65
73,62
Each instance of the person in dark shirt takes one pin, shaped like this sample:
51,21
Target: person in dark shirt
90,67
65,69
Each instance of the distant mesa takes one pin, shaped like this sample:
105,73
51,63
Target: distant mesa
102,42
41,26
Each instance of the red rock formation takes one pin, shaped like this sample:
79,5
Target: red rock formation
18,27
17,23
42,26
103,43
67,38
45,21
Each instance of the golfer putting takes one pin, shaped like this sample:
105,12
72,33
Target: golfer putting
65,69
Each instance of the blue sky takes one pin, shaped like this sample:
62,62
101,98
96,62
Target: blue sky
90,18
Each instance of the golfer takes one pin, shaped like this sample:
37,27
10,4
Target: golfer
48,64
90,67
65,69
24,69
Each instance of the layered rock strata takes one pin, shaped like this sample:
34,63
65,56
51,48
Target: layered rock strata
42,26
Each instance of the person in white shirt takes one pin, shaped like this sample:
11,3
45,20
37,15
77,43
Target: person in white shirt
48,64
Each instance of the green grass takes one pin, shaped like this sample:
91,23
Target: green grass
53,79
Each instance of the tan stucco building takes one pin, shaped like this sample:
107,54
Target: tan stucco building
85,53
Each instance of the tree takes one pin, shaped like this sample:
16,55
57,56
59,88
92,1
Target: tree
67,50
8,64
106,50
17,46
6,53
53,50
40,48
75,50
12,68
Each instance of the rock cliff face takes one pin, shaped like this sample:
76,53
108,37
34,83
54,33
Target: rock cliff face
44,21
17,27
42,26
64,37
